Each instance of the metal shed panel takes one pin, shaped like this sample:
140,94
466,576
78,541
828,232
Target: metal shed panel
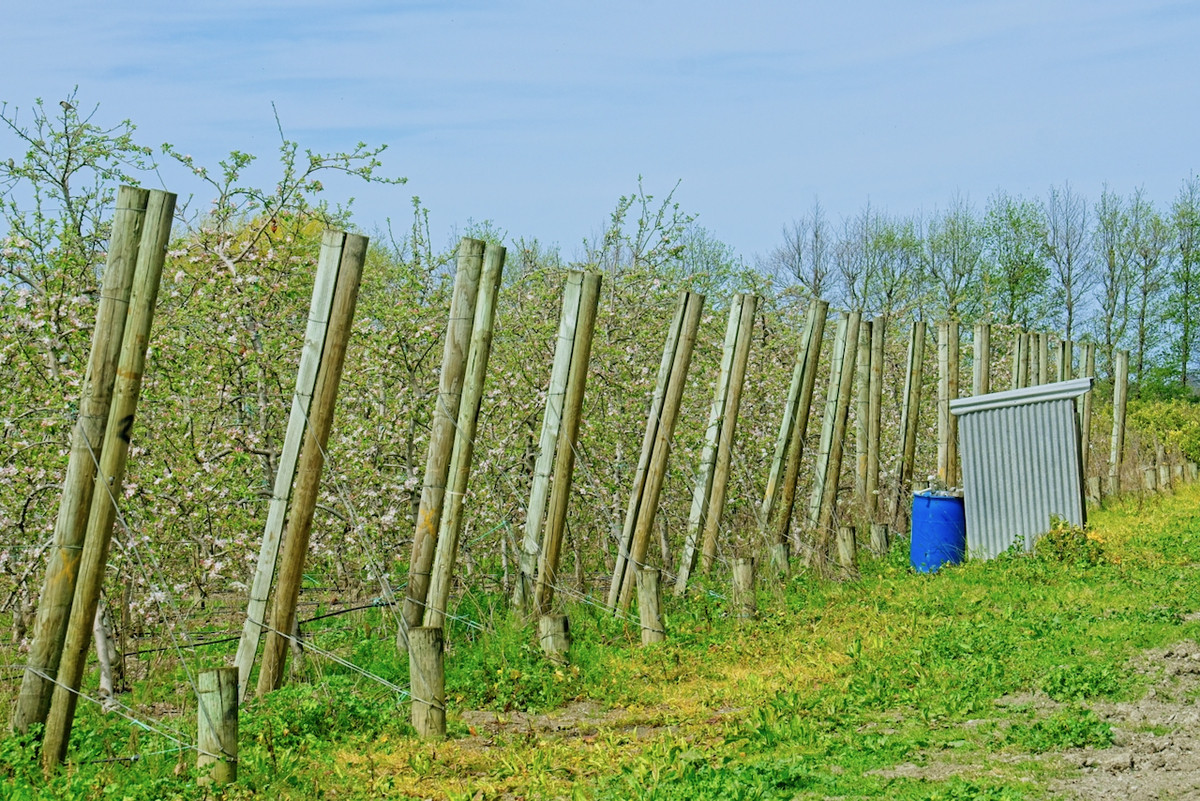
1021,464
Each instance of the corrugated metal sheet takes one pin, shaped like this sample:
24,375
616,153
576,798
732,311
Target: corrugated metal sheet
1021,463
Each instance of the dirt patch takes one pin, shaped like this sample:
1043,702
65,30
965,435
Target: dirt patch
1156,748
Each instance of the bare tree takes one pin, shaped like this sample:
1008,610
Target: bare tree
804,256
1112,247
1067,249
1151,238
952,254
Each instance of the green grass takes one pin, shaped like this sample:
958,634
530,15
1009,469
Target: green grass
885,687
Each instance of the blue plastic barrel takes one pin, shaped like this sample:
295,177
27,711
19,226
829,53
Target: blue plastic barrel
939,531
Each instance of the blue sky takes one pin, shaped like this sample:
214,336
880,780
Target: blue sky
539,115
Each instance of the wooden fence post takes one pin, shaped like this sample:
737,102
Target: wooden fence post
862,415
745,602
908,420
1116,454
874,416
657,470
1066,359
554,634
947,456
649,605
102,513
1043,357
427,679
880,539
312,462
807,367
548,443
306,378
981,360
648,439
564,464
458,478
87,437
847,546
442,434
217,725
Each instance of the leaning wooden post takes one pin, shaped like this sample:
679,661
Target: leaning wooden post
874,415
110,474
1116,453
823,511
441,436
1066,359
981,360
657,471
1085,410
909,417
847,547
648,439
446,550
427,680
745,602
862,414
551,425
306,378
87,437
702,489
649,604
312,462
737,380
217,725
564,464
806,370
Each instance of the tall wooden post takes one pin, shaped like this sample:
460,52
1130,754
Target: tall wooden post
948,363
981,360
733,402
1021,349
1085,408
862,414
217,725
823,507
1042,339
909,417
745,599
446,549
427,678
87,437
1066,359
874,416
649,603
551,425
306,378
441,437
648,439
564,464
657,470
102,512
807,367
702,490
312,462
1116,453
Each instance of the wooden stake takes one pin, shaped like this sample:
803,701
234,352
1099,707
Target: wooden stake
737,379
1149,478
446,549
649,603
110,475
702,490
551,424
312,462
554,634
823,510
217,726
1066,359
880,539
874,416
981,359
564,464
427,678
862,413
847,546
441,437
807,367
306,379
1116,454
657,471
87,437
909,417
1085,411
745,602
648,440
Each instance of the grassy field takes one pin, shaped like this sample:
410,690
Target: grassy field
982,681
